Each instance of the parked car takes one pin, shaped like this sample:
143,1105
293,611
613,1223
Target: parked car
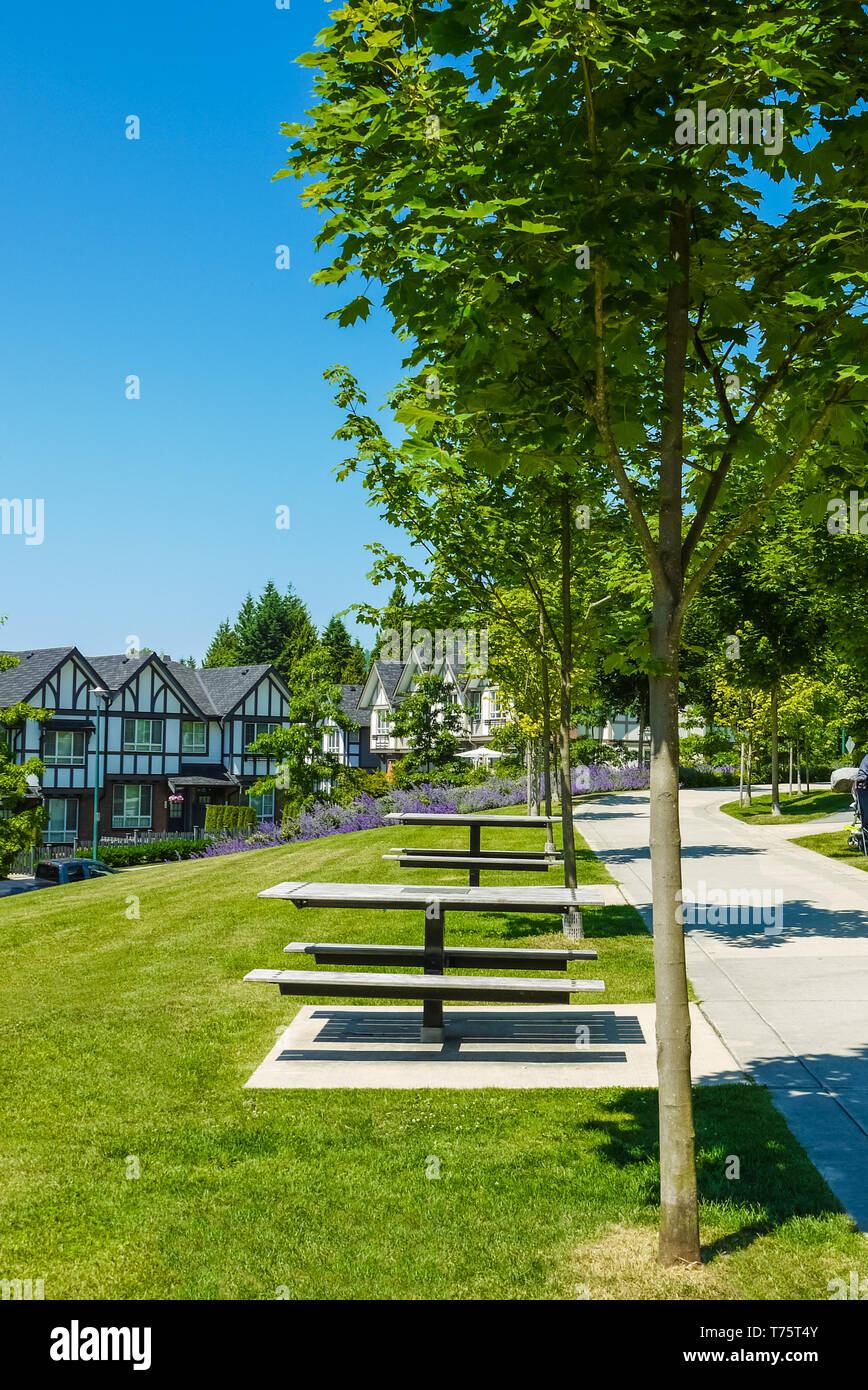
50,872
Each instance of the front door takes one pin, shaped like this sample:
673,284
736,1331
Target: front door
201,802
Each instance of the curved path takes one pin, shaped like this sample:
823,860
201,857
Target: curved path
786,989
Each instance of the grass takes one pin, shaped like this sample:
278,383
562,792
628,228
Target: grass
127,1036
795,808
834,846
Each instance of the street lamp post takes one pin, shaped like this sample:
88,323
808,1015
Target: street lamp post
100,694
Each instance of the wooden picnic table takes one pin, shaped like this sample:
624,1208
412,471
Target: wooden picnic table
515,860
434,957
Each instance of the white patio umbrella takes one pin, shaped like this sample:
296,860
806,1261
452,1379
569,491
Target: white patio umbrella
479,755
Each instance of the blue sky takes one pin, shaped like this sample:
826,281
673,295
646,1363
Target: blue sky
156,257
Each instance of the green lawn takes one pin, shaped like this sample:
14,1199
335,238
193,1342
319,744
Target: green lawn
834,845
129,1039
795,808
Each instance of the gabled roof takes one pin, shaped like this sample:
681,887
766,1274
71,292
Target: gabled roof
20,682
219,689
385,673
211,693
350,695
118,671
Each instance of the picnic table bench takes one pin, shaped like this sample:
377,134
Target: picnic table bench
435,957
476,859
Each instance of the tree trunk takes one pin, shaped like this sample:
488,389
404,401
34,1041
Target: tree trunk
741,774
791,769
640,756
679,1217
776,809
566,694
527,774
534,776
799,767
749,770
547,723
807,775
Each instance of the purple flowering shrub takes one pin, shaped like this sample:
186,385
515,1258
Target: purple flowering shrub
368,813
601,778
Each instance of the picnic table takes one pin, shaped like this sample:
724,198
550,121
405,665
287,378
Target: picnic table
434,955
476,858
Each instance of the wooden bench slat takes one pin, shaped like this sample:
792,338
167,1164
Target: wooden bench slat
355,985
466,861
437,853
470,957
471,818
453,897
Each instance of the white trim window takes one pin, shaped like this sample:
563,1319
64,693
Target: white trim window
143,735
63,748
499,707
254,727
131,806
194,736
263,805
62,824
333,740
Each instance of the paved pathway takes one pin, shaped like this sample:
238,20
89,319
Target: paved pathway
789,998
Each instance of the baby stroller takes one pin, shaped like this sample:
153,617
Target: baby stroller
858,837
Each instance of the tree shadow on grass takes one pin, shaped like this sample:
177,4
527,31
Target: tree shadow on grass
738,1132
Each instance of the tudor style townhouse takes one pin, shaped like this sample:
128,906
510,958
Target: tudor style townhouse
372,707
171,739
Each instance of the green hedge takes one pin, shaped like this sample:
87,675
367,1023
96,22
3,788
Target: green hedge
230,818
155,852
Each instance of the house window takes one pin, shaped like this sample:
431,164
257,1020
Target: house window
62,824
333,740
63,748
143,736
131,806
253,728
263,805
193,736
499,706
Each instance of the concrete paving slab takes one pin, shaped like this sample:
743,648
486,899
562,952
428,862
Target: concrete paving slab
815,980
756,1047
827,1133
357,1047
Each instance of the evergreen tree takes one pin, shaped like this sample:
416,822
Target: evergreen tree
339,645
223,650
273,629
355,670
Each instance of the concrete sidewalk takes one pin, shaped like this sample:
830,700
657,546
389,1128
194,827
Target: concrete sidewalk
789,997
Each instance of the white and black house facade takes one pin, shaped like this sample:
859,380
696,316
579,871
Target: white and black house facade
171,739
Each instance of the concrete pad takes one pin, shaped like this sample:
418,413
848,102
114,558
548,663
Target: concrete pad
378,1047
